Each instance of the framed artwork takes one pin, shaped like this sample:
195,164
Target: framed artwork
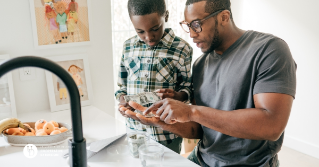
58,23
7,100
78,68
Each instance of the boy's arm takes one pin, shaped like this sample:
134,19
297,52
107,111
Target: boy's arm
184,80
122,80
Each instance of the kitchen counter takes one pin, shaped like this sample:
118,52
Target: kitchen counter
97,125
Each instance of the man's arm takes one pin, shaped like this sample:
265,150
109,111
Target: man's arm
266,121
190,130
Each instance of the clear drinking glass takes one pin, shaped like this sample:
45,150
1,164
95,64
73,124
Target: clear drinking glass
135,140
151,155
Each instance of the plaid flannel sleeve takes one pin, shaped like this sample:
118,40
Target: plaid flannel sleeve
122,80
184,80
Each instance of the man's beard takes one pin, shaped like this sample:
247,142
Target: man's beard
216,41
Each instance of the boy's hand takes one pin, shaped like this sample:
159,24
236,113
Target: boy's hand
170,93
153,121
123,106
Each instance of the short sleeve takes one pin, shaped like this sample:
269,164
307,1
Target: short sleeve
276,69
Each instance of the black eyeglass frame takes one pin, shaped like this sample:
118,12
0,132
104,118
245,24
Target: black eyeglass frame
199,22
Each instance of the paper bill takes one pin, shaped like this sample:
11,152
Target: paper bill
134,98
143,99
152,97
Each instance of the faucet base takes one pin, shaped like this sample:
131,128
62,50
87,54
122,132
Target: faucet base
77,153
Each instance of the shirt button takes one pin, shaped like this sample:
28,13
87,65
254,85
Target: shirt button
146,75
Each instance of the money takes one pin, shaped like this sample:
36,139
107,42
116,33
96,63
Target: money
143,99
134,98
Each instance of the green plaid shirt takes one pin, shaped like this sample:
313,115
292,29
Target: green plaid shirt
145,69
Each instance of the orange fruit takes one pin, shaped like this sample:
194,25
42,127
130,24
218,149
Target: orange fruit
55,132
63,129
10,131
39,131
40,123
54,123
48,127
18,134
32,130
22,130
42,133
29,134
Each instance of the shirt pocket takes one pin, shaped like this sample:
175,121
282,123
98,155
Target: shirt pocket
165,70
132,65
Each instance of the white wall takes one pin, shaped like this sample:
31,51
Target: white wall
297,23
16,39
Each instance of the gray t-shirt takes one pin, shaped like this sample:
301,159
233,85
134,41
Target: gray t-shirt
255,63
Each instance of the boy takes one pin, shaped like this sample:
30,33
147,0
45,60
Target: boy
154,60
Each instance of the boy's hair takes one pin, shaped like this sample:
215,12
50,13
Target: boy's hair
144,7
213,5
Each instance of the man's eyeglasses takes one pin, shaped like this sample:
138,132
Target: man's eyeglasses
195,25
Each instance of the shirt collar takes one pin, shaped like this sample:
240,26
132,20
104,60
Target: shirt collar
167,39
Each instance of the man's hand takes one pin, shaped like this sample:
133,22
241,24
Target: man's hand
171,111
153,121
170,93
191,130
123,106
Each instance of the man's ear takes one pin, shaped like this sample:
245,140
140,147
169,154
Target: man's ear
166,15
225,17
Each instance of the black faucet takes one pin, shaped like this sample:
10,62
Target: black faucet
77,146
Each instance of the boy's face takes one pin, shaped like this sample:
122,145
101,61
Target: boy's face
150,28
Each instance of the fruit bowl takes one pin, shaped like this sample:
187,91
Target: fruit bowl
39,140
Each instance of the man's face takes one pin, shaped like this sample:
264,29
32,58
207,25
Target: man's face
208,39
150,28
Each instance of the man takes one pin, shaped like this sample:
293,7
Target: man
244,86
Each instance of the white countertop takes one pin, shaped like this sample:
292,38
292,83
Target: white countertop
97,125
